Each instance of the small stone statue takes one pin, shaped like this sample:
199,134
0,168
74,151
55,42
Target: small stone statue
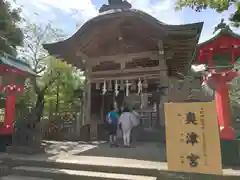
115,4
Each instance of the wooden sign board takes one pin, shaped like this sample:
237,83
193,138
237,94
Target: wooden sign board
192,135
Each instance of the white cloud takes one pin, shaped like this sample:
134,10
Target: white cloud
81,12
162,10
54,10
66,14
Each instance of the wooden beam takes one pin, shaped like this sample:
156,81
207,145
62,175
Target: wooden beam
127,77
142,70
183,33
155,72
120,58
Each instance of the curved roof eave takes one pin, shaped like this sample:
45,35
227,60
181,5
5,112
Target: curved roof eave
112,14
216,36
221,32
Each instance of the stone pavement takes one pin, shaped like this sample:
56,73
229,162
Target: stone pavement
81,160
139,151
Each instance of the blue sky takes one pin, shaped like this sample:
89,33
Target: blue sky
70,14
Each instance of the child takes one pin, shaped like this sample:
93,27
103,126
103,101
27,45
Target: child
112,126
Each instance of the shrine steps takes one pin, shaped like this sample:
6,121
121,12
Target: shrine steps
91,169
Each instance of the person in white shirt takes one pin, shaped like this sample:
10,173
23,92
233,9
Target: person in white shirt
126,123
136,122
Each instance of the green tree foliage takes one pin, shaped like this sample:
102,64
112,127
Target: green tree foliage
235,92
61,94
218,5
51,71
10,35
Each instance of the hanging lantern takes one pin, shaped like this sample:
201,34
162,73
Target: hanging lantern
139,86
110,88
145,84
98,86
133,86
104,88
122,85
116,88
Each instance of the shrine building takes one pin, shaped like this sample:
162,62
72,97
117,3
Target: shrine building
130,57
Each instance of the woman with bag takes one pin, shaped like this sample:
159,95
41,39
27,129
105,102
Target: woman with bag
126,123
136,122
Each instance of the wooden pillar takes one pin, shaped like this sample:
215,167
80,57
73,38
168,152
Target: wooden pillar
164,83
224,112
87,102
88,110
102,108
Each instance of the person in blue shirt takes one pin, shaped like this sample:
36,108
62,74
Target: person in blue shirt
112,126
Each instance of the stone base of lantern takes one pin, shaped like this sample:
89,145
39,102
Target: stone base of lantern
24,150
227,133
26,138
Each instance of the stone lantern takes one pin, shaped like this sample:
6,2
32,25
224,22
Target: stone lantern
220,54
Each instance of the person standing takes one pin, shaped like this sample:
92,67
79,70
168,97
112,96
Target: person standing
126,123
112,126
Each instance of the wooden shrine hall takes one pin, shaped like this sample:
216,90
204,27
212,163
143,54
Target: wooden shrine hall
129,57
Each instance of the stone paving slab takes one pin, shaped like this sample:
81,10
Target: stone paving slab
13,177
90,160
105,161
80,174
140,151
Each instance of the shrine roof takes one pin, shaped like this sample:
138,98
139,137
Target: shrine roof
221,32
140,32
16,63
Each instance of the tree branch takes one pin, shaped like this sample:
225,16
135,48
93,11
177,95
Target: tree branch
35,85
40,71
49,83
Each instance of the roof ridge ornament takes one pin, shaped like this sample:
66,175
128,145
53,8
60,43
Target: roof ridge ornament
115,4
222,26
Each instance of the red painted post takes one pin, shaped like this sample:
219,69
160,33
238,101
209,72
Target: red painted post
224,111
9,113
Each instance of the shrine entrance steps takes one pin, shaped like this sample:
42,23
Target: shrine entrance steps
90,161
84,168
77,162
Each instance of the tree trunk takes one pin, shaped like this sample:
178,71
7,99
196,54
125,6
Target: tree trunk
39,106
57,100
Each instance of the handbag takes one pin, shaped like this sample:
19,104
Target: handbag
120,126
